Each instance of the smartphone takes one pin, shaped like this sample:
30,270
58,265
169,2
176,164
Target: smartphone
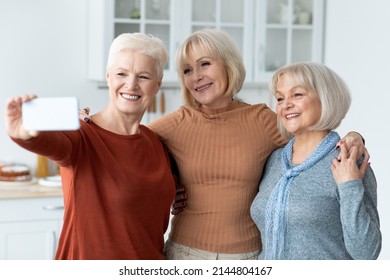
51,114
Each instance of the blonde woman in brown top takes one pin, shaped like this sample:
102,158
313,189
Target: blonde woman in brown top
220,145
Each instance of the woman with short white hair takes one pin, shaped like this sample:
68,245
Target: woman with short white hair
116,176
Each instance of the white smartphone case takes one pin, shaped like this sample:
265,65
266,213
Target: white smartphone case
51,114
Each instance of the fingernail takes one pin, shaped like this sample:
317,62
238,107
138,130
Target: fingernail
86,119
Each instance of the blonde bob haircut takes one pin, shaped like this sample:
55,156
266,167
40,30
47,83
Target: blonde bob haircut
143,44
320,80
218,45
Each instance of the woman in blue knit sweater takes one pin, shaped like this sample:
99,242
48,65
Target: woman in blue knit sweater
315,201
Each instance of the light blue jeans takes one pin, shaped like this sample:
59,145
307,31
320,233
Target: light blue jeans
175,251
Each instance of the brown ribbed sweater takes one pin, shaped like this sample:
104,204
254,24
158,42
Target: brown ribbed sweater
220,154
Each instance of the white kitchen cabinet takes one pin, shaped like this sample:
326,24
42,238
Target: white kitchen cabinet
108,19
287,31
30,227
170,20
269,33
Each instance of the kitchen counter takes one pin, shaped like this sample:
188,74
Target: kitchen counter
31,218
29,190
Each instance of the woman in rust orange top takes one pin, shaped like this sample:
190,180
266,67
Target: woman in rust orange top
113,169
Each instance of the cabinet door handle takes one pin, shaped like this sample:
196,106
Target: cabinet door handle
54,244
53,207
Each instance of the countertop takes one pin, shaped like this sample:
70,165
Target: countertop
27,190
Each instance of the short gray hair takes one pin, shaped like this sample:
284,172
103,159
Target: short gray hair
319,79
142,43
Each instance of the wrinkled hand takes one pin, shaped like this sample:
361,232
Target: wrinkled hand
14,117
84,114
345,168
354,138
180,201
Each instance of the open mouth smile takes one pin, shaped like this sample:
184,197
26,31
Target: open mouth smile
290,116
203,88
130,96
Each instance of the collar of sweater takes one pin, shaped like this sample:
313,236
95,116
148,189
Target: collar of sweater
210,112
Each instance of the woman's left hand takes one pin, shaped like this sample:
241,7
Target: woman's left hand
345,168
354,138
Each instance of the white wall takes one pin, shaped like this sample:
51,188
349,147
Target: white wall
357,46
43,49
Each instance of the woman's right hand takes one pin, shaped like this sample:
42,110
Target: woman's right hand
84,114
14,117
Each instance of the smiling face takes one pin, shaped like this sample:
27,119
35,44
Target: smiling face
206,79
297,108
133,82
